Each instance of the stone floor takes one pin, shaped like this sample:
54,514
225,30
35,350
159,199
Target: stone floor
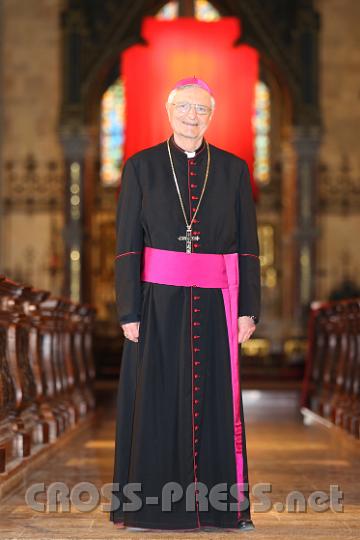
281,450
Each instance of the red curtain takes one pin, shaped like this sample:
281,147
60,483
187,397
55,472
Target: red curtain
182,48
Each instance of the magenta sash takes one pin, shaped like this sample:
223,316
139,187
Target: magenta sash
207,270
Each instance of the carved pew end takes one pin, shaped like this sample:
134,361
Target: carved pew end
22,443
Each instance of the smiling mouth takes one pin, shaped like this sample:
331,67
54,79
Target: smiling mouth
187,124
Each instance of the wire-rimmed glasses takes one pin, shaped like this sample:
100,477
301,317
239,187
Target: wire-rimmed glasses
183,107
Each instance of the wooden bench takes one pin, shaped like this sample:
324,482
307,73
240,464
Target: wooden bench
331,386
46,370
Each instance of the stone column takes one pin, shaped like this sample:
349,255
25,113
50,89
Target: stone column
306,138
306,144
288,224
74,142
186,8
74,149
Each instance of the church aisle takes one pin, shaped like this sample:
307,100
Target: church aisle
281,451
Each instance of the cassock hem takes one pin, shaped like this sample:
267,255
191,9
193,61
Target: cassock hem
158,525
235,524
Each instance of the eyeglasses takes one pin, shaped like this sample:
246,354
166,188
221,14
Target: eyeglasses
184,108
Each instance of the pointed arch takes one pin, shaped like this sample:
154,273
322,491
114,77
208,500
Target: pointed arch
204,11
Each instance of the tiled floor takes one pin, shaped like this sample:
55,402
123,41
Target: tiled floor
282,451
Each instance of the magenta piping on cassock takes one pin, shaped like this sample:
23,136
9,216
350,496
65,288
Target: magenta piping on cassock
126,253
208,270
249,255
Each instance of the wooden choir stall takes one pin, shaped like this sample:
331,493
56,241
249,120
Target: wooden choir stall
46,370
331,388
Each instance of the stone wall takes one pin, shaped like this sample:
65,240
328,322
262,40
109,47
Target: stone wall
31,94
338,255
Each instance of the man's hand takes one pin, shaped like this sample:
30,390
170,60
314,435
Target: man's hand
131,331
246,328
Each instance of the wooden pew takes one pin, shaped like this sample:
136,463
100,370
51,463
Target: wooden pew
45,380
347,411
15,360
79,327
331,386
8,397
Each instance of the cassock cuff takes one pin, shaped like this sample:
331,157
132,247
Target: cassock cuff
253,317
129,318
249,287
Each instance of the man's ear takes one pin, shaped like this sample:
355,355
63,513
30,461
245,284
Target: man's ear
167,107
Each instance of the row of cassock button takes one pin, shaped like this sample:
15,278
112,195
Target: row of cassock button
196,375
196,333
194,199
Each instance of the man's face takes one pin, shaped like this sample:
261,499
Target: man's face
191,124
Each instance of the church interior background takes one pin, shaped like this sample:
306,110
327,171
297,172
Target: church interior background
81,86
64,142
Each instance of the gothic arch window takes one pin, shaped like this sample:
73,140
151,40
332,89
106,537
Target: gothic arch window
204,11
112,134
261,125
113,106
169,11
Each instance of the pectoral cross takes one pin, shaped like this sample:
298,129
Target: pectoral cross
188,239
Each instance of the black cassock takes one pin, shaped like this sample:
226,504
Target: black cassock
161,436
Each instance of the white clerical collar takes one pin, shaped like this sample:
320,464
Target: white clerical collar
189,155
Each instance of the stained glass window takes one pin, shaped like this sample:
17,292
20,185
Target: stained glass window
169,11
204,11
112,133
261,124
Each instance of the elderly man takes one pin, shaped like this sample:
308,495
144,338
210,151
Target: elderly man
188,291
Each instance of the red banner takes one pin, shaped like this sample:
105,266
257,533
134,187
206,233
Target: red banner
182,48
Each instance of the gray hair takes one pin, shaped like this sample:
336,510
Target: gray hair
172,94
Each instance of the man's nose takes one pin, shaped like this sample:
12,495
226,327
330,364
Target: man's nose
192,111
